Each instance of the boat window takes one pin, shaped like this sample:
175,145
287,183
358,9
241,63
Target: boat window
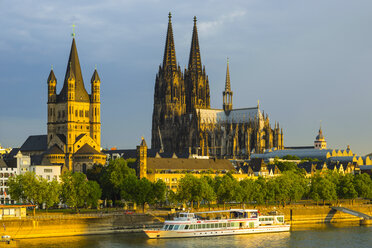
203,226
186,227
208,225
176,227
170,227
192,227
181,227
228,224
280,219
224,224
220,224
166,227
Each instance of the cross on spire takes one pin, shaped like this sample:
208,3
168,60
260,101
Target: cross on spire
73,30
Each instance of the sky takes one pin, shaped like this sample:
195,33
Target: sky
305,61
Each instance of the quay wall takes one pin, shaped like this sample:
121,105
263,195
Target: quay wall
89,224
71,225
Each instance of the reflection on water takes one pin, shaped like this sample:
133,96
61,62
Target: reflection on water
311,236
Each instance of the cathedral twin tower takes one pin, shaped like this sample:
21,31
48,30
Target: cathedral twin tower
183,118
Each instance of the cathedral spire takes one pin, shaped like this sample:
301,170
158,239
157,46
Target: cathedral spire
169,60
194,59
227,94
73,68
227,82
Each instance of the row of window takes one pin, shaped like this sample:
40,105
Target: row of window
204,226
78,113
6,175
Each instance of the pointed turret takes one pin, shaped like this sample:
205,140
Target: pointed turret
51,77
95,77
169,59
95,85
73,68
227,81
52,82
195,64
227,94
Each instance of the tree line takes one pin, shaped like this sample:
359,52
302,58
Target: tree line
73,190
289,187
118,182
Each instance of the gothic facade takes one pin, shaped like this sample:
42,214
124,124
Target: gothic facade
183,118
74,126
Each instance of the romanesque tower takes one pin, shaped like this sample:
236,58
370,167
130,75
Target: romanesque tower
196,80
74,116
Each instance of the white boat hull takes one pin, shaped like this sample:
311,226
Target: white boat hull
160,234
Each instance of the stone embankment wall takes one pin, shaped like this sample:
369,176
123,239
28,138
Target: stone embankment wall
302,215
89,224
79,224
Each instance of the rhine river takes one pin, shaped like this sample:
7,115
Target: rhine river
305,237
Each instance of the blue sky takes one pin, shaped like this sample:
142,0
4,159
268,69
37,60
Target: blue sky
305,61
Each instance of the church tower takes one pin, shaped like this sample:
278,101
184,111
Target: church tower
169,97
95,113
227,94
320,142
74,127
196,80
142,159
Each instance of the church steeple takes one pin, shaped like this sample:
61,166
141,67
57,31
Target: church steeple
196,80
195,64
227,94
320,142
73,68
52,82
169,59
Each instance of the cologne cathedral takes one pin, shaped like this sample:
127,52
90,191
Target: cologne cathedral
184,121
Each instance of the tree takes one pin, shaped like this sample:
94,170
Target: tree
52,193
184,192
144,193
247,186
25,188
363,185
346,188
323,188
260,193
74,190
208,193
160,189
113,177
94,193
227,189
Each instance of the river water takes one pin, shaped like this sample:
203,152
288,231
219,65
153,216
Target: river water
316,236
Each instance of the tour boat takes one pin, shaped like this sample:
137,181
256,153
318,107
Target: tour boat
217,223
